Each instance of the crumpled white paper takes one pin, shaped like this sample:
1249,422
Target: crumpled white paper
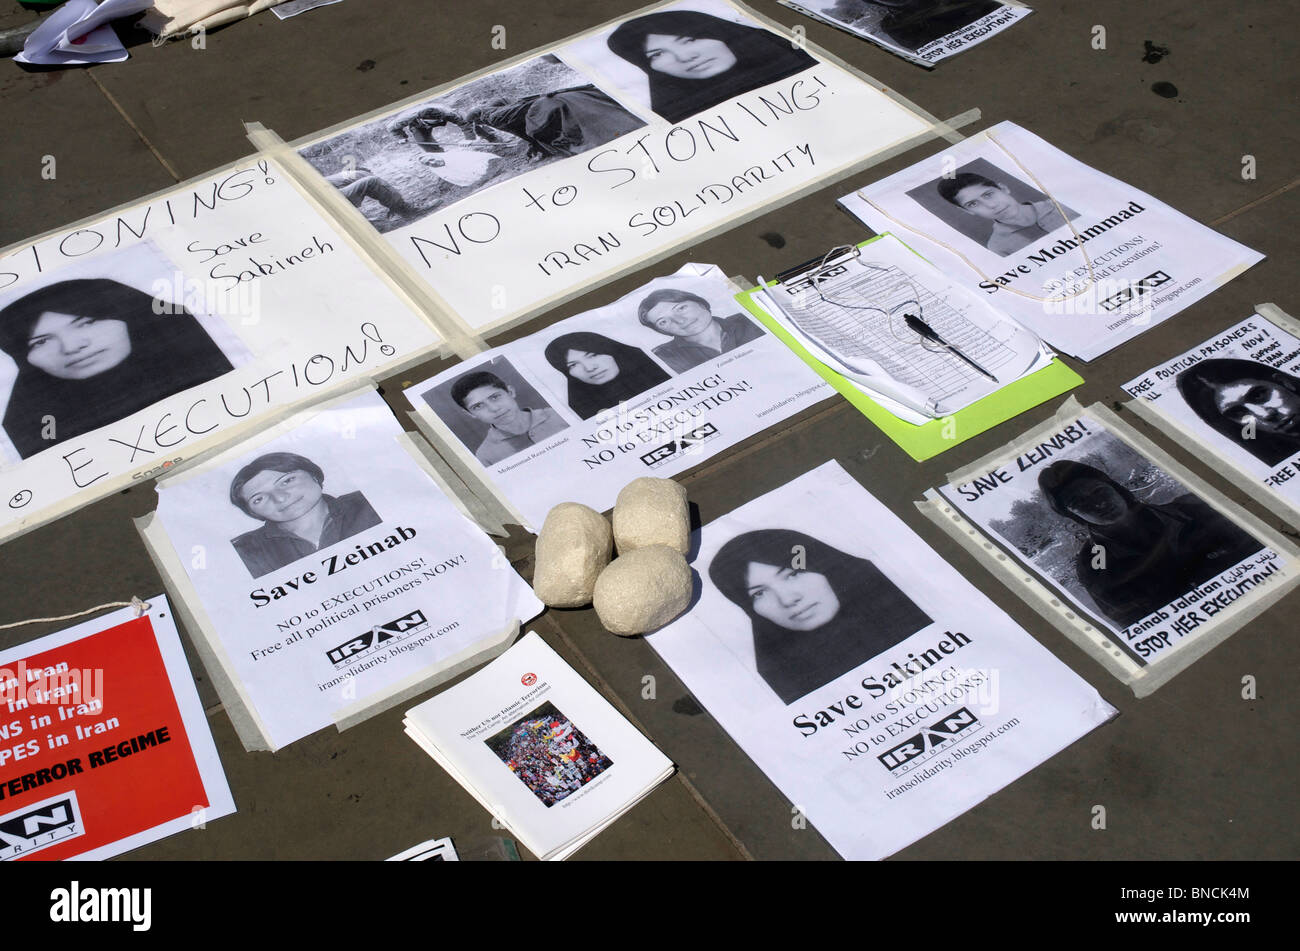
79,33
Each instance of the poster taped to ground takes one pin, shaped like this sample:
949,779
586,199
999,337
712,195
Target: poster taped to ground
922,31
326,570
1082,259
876,687
104,746
138,338
1237,397
512,191
652,384
1117,531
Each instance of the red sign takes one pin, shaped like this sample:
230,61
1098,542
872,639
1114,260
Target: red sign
92,746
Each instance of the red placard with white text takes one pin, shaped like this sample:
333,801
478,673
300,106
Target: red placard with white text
103,744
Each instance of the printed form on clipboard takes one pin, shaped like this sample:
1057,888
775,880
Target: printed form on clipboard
888,321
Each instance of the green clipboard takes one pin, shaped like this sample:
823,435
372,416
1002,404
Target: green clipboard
929,439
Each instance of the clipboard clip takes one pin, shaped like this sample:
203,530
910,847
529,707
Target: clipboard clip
816,268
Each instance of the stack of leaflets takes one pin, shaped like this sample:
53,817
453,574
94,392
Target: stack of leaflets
549,757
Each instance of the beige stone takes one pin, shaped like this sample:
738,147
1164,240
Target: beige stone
573,547
652,512
642,590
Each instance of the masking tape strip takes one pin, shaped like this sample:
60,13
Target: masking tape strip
185,603
453,455
1090,638
465,341
457,335
1246,482
427,678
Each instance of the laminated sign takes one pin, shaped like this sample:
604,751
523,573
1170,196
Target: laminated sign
104,746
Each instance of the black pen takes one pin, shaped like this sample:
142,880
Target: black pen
925,331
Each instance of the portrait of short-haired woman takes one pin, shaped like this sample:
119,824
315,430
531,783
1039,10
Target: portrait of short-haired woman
286,492
816,612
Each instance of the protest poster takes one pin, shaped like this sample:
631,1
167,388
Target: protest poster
878,689
104,746
326,572
515,190
922,31
1112,528
1237,397
1082,259
652,384
134,340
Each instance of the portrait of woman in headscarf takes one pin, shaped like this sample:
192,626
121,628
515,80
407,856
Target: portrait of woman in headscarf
695,61
1255,406
90,352
1153,553
816,612
601,372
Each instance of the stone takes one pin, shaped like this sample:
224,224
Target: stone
573,547
642,590
652,512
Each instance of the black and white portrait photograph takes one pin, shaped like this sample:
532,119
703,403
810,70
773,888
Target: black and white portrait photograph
692,57
1248,403
816,612
548,754
695,334
1120,534
909,24
84,349
494,411
992,208
600,372
286,493
404,166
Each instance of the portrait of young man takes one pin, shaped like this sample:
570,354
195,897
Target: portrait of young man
510,426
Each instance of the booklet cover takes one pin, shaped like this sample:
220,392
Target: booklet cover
326,570
533,742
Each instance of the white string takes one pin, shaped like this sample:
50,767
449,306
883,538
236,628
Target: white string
1092,279
139,606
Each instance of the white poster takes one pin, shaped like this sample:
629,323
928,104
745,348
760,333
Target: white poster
1082,259
516,189
923,31
652,384
876,687
331,567
1117,536
1238,395
130,343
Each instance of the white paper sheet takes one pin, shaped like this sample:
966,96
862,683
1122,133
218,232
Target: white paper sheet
851,314
669,405
877,688
398,580
1080,258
